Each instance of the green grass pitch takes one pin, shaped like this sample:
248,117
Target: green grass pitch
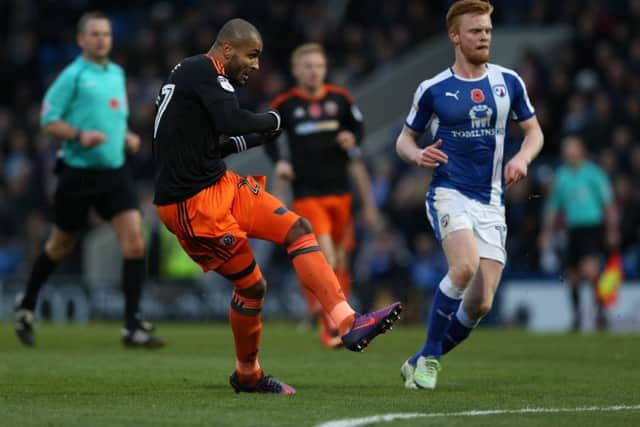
81,376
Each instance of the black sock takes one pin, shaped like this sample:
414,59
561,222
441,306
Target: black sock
132,278
575,302
42,269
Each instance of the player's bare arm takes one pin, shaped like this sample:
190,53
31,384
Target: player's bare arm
346,139
408,150
517,167
284,170
360,175
59,129
132,142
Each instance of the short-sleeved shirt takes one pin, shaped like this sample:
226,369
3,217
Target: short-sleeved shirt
582,193
89,96
470,116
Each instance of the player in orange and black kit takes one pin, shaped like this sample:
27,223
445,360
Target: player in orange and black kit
324,130
213,211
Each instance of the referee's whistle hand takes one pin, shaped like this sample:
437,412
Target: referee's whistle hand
92,138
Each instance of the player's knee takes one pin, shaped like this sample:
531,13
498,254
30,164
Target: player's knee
255,291
478,309
297,230
590,269
462,272
133,246
58,247
483,309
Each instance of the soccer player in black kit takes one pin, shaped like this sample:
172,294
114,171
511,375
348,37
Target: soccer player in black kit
324,130
214,211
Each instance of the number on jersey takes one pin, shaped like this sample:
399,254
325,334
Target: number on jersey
163,100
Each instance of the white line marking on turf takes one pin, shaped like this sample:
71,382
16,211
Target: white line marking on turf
374,419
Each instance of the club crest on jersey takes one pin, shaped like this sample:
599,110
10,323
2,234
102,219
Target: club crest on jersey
480,116
500,90
227,240
331,108
444,221
224,83
298,113
315,110
477,95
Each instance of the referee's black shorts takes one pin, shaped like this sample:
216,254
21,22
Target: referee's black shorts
583,242
108,191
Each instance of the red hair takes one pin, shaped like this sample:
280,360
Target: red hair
464,7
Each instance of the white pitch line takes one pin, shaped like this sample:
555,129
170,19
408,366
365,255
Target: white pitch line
374,419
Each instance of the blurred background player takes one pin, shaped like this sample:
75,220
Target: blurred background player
582,192
323,130
466,108
214,211
86,107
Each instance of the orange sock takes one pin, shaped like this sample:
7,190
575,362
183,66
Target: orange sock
313,307
246,323
327,322
317,276
344,277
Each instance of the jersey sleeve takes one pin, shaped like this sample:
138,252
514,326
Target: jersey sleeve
521,107
603,187
421,109
353,119
58,97
273,150
217,94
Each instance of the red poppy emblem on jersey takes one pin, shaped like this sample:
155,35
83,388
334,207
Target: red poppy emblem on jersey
315,110
477,95
113,103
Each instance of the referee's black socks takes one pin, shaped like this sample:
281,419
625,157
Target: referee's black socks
132,278
40,272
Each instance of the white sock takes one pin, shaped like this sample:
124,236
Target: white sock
449,289
465,320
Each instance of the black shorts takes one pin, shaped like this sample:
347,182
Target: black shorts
108,191
583,242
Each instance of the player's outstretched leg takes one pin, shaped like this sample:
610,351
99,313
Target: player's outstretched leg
369,325
357,330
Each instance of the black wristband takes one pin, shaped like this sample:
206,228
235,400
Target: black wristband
78,134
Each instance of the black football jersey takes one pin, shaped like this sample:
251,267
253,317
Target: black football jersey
195,109
320,164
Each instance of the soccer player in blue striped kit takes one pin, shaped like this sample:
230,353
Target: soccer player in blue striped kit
466,108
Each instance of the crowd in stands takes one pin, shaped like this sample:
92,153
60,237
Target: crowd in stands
589,86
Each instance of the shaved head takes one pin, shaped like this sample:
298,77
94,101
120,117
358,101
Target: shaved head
237,31
238,47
